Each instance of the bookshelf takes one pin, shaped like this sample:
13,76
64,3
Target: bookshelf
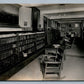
16,47
40,40
7,42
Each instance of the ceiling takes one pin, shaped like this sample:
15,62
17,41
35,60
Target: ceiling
65,12
37,5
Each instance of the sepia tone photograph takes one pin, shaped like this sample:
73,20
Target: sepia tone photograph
41,42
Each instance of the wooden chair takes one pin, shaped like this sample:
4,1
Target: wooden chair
49,65
52,68
52,61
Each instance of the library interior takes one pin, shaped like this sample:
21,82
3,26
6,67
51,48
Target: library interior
41,42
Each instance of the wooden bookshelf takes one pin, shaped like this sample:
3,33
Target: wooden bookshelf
14,47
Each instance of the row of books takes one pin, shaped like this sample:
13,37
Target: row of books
10,41
7,40
26,47
5,54
39,42
13,38
40,38
40,46
5,47
29,41
24,36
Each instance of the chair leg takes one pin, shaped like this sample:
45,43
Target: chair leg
61,66
59,75
44,75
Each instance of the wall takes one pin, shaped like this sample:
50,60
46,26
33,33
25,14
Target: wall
9,8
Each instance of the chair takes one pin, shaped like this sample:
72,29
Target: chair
52,61
52,68
50,65
67,43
